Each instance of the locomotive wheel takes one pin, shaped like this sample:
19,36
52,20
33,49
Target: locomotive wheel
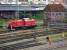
31,27
19,28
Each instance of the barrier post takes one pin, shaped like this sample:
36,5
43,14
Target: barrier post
49,41
11,27
63,34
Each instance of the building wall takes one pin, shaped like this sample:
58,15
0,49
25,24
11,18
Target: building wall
38,1
7,14
56,1
34,1
65,2
55,17
24,1
9,2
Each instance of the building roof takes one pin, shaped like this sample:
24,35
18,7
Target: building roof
14,7
54,8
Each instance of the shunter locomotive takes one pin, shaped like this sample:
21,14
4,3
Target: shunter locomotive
23,23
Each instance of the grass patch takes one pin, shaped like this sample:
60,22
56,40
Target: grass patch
54,37
3,22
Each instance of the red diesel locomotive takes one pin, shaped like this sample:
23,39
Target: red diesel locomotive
24,23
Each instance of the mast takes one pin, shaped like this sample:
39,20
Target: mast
17,9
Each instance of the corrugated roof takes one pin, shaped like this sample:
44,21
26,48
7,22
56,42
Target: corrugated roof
54,8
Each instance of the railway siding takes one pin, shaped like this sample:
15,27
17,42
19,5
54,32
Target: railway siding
39,37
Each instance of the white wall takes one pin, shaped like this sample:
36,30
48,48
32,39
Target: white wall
33,1
9,2
55,1
39,1
65,2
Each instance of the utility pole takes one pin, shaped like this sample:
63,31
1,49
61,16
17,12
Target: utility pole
17,9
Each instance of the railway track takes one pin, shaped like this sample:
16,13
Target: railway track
7,38
13,40
21,36
21,45
22,31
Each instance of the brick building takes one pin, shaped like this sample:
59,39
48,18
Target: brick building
8,8
54,13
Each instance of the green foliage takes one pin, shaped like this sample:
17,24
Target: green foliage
38,17
15,18
3,22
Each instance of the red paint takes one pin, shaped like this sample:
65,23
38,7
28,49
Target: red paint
20,23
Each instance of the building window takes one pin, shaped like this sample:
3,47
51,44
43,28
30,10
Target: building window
60,13
47,14
44,0
26,0
52,14
38,0
8,13
57,13
10,0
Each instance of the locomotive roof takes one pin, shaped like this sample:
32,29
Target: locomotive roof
54,8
